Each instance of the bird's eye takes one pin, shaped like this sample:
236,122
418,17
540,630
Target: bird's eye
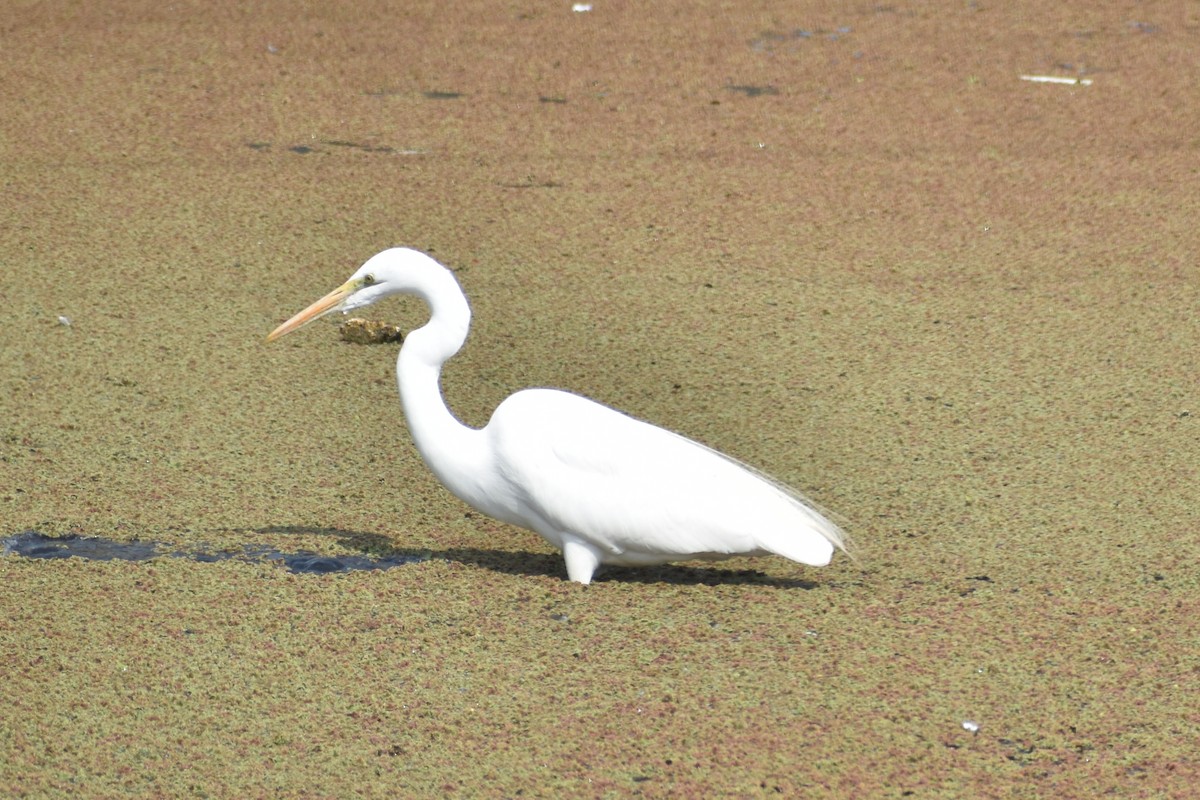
368,279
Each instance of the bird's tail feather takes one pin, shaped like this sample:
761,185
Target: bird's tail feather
823,520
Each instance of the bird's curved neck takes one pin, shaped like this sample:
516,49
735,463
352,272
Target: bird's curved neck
451,449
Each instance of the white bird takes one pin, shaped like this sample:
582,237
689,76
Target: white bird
601,486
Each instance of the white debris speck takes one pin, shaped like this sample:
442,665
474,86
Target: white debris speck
1057,79
970,725
581,8
64,320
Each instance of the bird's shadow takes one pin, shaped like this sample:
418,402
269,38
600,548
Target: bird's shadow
524,563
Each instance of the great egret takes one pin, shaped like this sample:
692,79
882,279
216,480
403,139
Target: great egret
601,486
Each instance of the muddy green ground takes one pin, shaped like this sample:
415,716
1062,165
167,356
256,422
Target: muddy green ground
847,244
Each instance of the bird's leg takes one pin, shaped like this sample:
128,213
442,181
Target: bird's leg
582,559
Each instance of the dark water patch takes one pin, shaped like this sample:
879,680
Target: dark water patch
785,40
366,148
753,91
306,561
393,91
530,183
304,149
32,544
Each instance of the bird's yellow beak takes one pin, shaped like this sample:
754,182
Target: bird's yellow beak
328,303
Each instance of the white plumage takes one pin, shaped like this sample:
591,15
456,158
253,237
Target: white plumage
603,487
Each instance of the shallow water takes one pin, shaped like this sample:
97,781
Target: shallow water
32,544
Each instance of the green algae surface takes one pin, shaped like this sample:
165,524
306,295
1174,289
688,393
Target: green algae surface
955,307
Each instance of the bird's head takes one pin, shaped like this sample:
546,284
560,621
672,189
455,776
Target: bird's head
383,274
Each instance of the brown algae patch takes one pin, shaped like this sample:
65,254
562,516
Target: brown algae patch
366,331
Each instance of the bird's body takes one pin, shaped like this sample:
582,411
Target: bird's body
603,487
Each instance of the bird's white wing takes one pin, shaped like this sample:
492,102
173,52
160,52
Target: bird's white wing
632,489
